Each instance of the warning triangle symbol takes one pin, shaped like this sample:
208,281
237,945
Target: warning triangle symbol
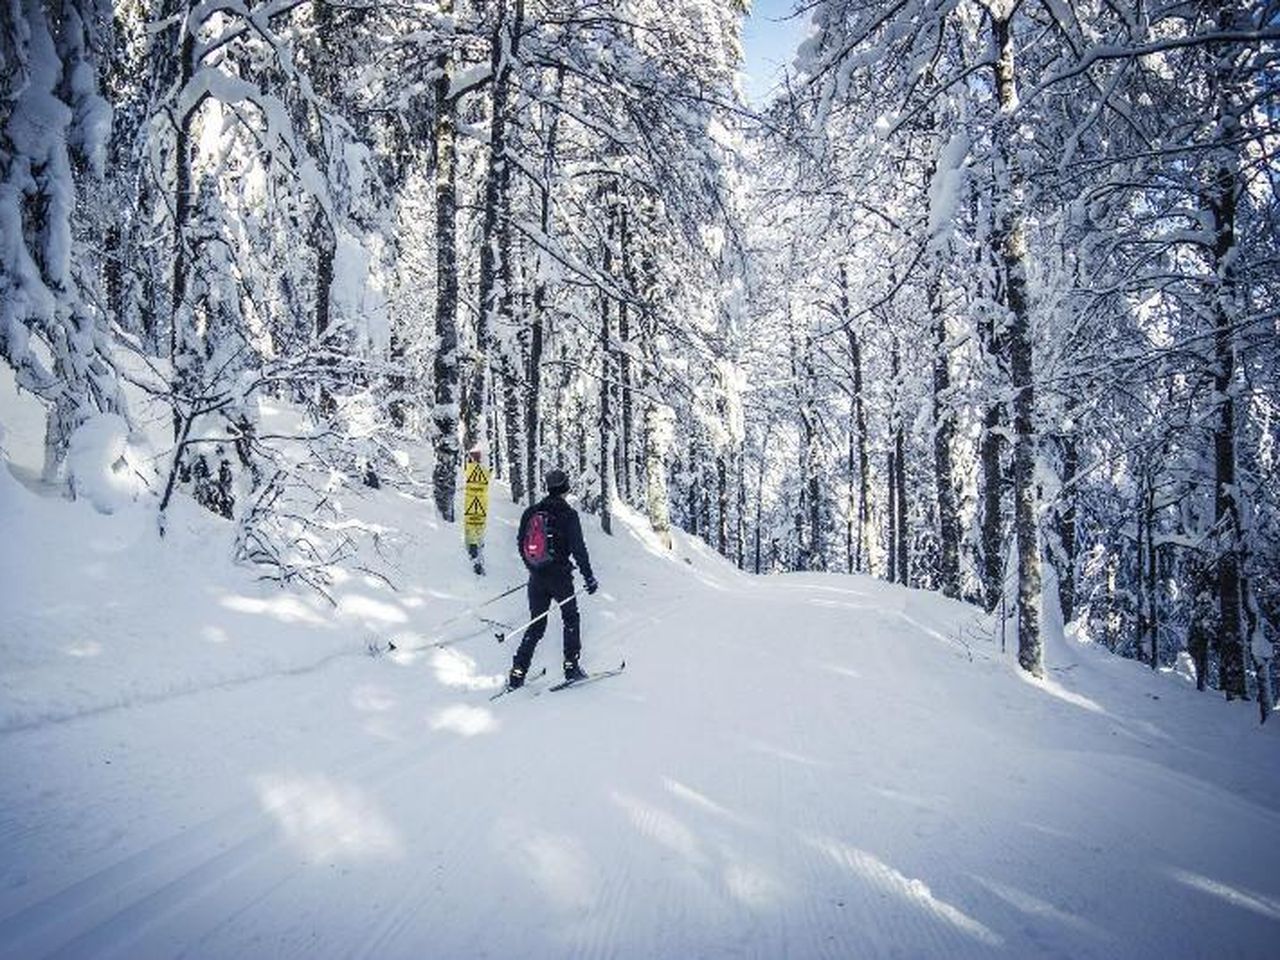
477,474
474,508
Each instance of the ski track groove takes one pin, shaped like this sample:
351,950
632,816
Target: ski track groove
11,726
224,832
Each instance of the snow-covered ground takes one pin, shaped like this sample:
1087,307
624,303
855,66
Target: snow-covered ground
196,764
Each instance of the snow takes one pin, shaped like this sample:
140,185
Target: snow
101,466
945,190
196,763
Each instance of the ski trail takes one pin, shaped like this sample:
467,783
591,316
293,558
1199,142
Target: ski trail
118,904
782,770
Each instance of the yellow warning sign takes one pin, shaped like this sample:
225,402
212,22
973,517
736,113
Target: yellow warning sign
475,502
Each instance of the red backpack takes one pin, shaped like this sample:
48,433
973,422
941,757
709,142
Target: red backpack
538,545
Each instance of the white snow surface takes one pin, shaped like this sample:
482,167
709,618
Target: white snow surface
196,764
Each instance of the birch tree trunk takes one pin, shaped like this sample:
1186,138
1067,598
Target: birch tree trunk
533,398
1011,240
494,294
657,438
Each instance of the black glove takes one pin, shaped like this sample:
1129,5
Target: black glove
592,585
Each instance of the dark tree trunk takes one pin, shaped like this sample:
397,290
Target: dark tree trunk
398,407
514,421
943,438
1153,583
859,435
992,532
606,377
900,462
1146,572
1067,529
722,506
624,369
1220,201
898,480
445,362
691,493
324,244
892,472
741,474
182,197
764,446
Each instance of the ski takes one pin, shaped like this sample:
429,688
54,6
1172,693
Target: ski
565,684
505,690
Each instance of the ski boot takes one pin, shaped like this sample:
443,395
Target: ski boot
573,672
515,679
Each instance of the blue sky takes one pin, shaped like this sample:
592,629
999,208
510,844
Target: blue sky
769,42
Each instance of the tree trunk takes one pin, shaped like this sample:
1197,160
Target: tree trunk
900,462
511,390
892,472
741,474
1012,244
325,244
445,363
657,435
624,366
991,479
1220,201
722,506
1146,571
944,429
606,413
850,522
691,493
808,510
1153,583
182,195
862,532
898,478
494,294
1067,529
764,446
533,398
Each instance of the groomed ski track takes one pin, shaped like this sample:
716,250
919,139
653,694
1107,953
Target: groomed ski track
801,766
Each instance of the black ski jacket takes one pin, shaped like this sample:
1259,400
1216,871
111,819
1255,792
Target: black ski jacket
566,531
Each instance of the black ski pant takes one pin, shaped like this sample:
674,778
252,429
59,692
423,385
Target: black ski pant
545,586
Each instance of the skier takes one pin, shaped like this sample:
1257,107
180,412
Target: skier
549,535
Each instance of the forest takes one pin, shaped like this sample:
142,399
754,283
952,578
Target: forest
983,299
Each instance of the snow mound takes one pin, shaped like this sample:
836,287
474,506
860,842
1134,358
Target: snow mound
101,465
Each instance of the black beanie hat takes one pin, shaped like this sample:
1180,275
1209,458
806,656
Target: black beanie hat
557,481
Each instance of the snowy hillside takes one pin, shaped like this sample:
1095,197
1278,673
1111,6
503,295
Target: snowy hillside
196,764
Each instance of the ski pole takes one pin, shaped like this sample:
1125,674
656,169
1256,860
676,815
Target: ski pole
525,626
477,606
470,611
436,644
